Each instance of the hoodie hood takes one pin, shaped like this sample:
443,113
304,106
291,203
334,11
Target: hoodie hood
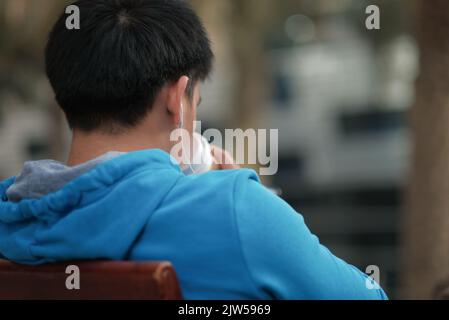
40,178
97,215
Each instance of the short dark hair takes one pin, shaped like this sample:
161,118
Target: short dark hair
108,73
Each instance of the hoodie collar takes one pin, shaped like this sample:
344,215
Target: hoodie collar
103,175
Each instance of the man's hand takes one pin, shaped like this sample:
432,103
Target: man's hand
223,160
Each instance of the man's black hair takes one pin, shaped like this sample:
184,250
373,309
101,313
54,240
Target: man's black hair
108,73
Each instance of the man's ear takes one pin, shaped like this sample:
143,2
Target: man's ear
176,94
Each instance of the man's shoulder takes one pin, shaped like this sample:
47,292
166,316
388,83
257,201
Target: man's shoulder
238,187
238,194
224,181
231,177
216,191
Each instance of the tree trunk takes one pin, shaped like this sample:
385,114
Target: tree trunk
426,240
248,22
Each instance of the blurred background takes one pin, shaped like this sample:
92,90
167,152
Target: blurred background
363,144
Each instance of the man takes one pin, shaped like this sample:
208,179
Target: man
126,80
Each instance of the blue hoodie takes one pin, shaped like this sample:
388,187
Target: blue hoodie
227,236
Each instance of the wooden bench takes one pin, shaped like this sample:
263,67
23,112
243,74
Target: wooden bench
99,280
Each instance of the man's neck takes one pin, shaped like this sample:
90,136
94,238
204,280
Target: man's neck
88,146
